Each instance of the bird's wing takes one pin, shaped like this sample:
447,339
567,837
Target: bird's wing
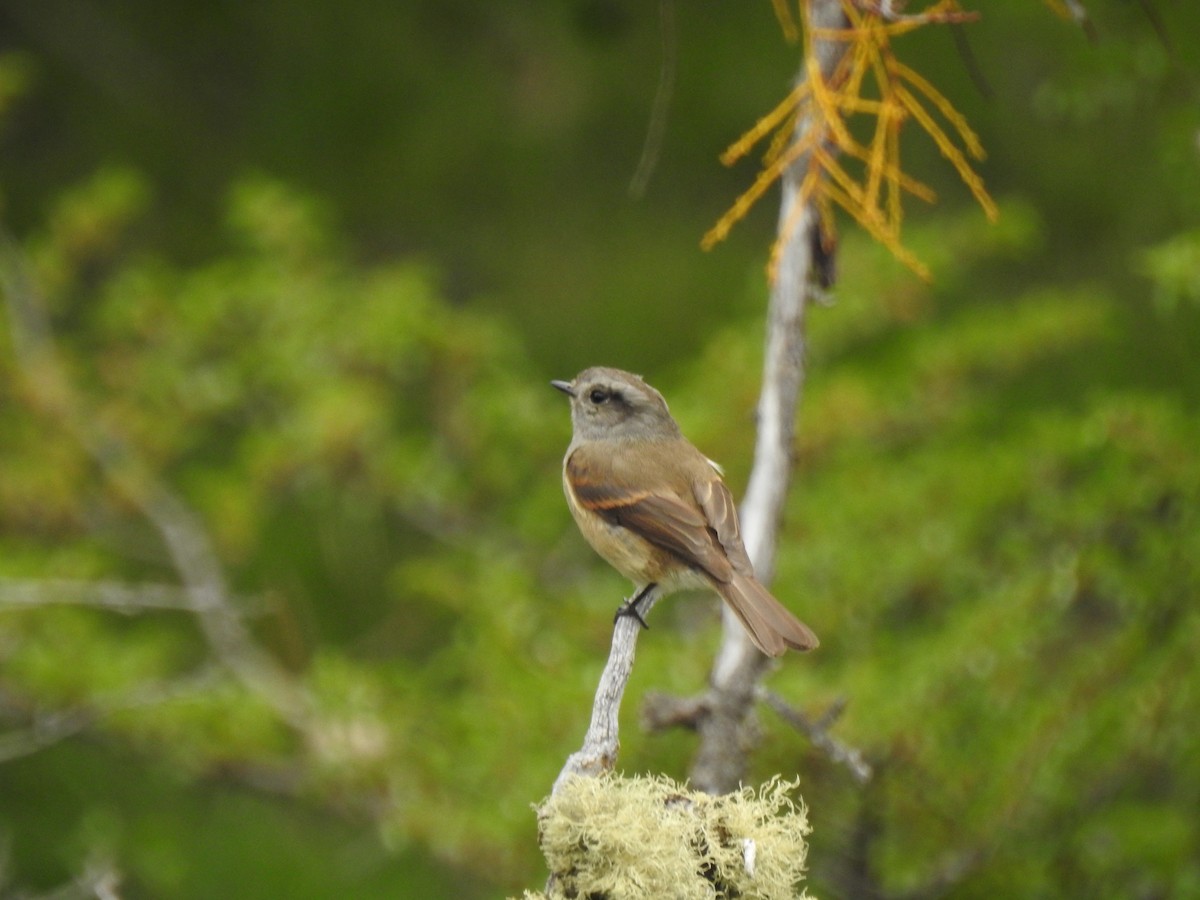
661,515
770,624
720,514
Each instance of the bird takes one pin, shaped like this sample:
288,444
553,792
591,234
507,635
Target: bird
656,508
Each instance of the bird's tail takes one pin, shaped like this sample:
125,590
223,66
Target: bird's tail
768,622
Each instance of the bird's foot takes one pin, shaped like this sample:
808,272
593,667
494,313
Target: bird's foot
632,607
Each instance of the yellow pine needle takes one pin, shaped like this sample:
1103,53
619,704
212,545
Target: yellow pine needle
825,106
840,177
858,65
791,31
892,172
879,56
926,121
858,22
895,193
850,75
852,104
874,199
768,176
968,175
952,115
780,139
885,236
871,223
878,155
767,123
855,17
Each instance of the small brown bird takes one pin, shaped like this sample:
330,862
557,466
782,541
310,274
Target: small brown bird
656,508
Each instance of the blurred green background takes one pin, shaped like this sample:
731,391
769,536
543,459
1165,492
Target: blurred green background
314,263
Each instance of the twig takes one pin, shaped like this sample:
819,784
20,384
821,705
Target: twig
127,599
818,732
601,743
662,711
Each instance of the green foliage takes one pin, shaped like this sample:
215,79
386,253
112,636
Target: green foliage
14,79
351,436
1174,268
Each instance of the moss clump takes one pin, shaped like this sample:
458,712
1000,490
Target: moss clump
611,838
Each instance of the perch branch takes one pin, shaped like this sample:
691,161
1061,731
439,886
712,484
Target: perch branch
601,743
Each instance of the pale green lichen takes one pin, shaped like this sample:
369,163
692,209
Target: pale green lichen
616,838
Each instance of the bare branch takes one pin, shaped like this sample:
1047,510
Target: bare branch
127,599
662,711
601,743
818,732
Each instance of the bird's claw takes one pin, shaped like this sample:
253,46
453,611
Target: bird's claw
633,607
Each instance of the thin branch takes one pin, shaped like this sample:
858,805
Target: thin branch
664,711
818,732
127,599
601,743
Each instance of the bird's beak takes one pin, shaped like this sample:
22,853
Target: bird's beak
564,386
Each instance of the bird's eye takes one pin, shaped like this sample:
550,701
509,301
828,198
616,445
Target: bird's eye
598,396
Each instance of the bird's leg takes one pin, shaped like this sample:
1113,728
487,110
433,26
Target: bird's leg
630,607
